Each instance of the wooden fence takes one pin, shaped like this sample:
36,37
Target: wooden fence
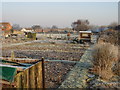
32,77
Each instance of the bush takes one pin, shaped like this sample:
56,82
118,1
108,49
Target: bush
104,57
116,67
110,36
31,35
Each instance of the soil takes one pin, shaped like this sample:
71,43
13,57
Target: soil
55,72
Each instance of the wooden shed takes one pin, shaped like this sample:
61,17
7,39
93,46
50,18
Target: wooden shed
85,36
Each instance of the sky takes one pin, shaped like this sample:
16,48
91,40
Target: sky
61,14
60,0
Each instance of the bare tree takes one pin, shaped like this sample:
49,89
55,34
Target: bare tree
54,27
36,27
16,27
80,25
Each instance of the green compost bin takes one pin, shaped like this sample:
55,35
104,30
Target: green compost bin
31,35
7,73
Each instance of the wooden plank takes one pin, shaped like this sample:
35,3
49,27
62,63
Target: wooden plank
36,76
24,80
18,80
21,60
32,77
28,80
43,74
39,75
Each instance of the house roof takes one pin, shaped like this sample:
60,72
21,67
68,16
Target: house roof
3,23
27,30
85,31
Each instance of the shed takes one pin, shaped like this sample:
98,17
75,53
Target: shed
31,35
85,35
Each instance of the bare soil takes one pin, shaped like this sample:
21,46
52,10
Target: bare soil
55,72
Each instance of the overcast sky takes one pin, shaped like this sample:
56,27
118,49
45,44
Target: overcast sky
61,14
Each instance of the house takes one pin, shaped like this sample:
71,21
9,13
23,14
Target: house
6,28
17,32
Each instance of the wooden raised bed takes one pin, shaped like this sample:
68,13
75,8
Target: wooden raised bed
31,77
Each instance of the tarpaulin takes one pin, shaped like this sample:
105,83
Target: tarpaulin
7,73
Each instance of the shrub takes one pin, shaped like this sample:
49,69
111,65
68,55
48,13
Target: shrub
104,57
110,36
116,67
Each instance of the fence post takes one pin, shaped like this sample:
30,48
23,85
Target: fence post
43,73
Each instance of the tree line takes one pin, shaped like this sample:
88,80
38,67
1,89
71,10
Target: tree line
78,25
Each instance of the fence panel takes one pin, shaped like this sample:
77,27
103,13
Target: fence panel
31,77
